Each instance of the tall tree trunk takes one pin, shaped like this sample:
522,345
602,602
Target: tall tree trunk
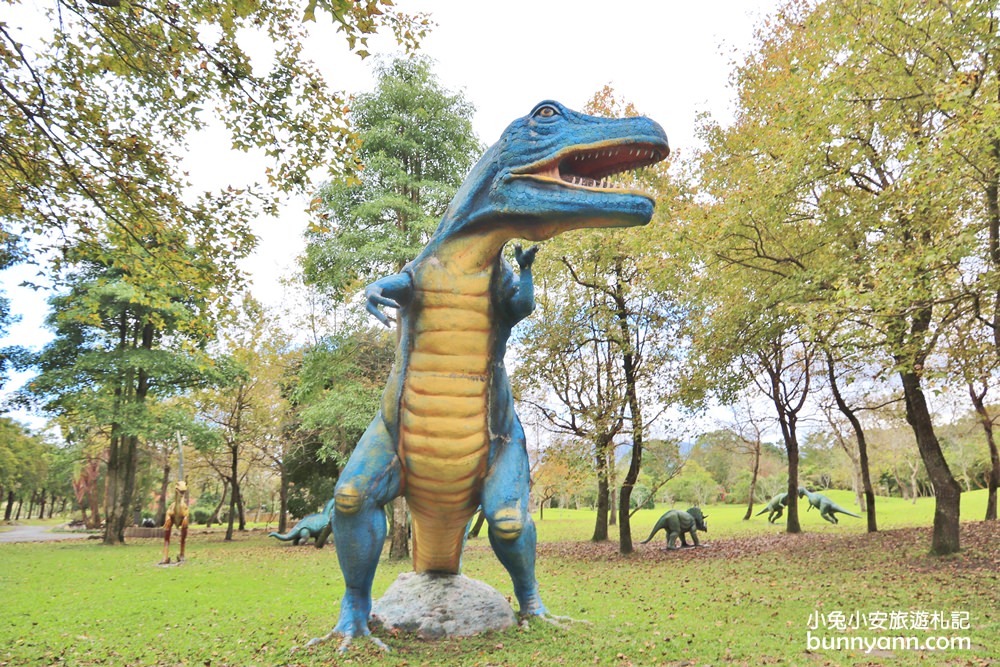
145,341
978,400
601,521
113,486
947,493
113,506
10,506
629,364
612,485
792,524
399,544
859,434
234,488
41,504
125,453
234,493
241,509
787,410
753,482
283,502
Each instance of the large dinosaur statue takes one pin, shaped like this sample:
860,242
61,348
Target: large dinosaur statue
827,508
675,523
310,527
177,515
776,507
447,437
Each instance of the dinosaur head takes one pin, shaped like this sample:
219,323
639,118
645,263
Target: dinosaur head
181,486
548,173
803,491
699,519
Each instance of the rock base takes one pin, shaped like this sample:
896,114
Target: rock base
435,606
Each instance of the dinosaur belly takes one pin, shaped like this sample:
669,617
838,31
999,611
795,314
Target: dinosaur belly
444,440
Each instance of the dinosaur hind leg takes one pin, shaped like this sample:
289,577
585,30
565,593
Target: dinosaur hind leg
168,527
184,536
511,530
370,480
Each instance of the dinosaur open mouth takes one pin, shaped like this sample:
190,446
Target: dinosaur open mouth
591,167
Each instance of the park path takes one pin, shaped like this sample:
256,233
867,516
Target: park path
37,534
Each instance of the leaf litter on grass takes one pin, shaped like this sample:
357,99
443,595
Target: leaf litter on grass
739,600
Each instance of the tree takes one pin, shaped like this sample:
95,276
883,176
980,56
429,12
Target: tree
621,345
662,461
416,145
560,472
743,436
246,411
566,372
24,461
850,180
100,98
126,333
11,252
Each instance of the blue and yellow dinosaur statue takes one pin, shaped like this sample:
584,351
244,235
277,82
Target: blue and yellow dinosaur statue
447,437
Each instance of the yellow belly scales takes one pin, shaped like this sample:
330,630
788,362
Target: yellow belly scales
444,438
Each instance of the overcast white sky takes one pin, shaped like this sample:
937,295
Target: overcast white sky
672,59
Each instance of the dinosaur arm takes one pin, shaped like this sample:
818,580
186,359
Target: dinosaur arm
393,291
521,301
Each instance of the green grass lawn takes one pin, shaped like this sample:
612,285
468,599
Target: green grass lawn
746,598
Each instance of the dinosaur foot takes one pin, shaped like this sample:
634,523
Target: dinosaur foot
353,622
165,561
560,622
345,641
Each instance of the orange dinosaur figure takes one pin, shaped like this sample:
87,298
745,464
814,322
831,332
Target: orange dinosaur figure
176,516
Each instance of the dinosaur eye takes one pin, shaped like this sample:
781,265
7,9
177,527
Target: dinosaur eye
547,111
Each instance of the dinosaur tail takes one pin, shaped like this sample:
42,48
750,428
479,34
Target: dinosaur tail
763,511
838,508
659,524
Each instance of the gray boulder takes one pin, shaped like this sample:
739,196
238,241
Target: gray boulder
435,606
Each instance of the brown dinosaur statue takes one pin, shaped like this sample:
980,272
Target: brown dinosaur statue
177,515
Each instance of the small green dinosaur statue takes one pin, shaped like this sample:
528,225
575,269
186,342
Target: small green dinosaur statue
827,508
676,523
312,526
776,507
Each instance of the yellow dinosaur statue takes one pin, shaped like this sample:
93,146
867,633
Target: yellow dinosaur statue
177,515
